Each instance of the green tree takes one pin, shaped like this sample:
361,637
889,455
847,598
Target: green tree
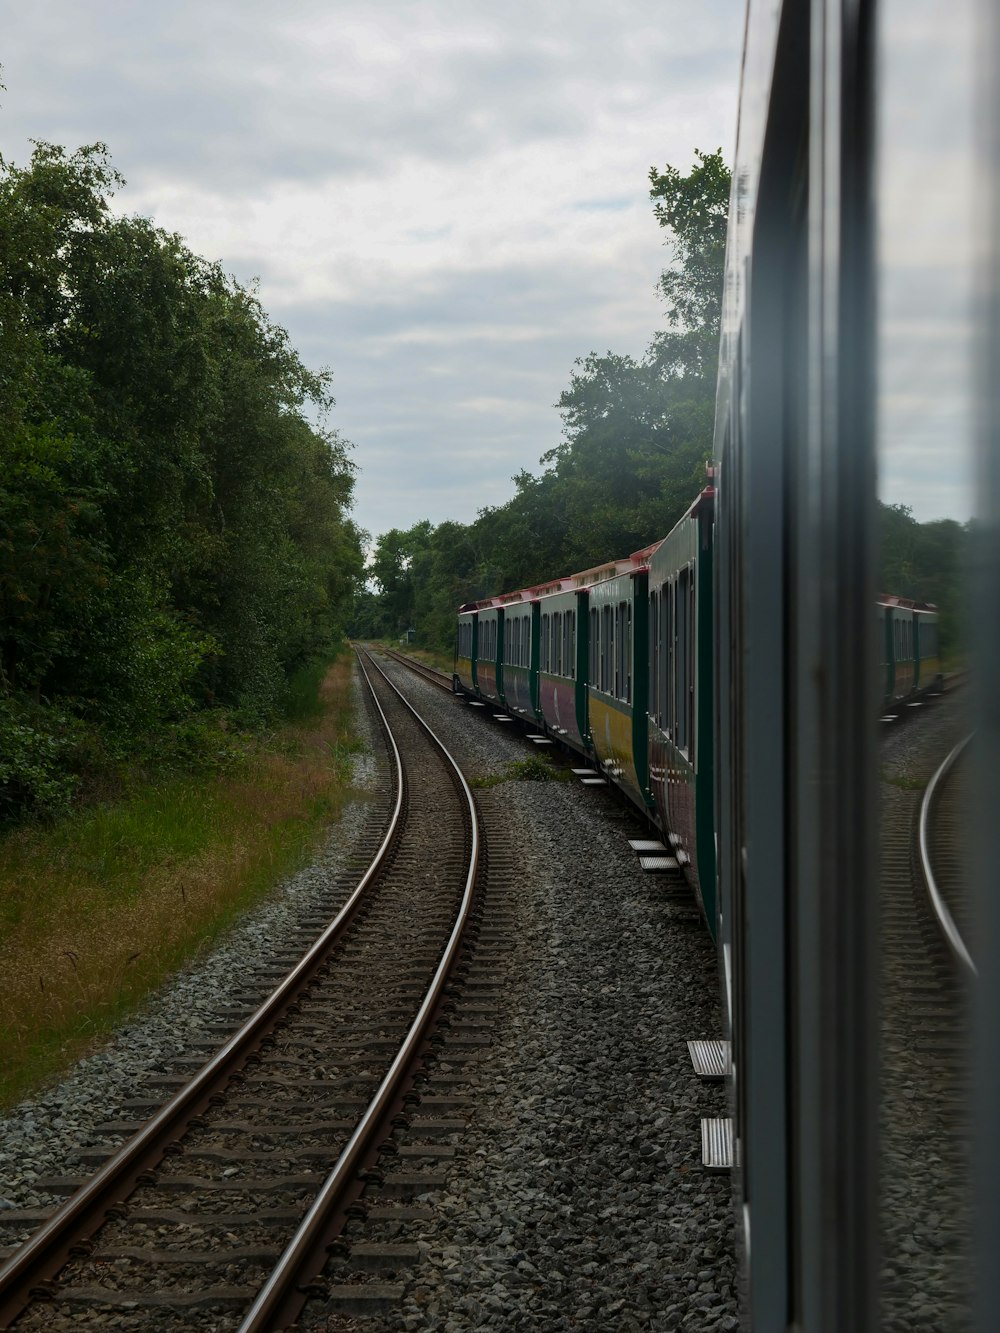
174,532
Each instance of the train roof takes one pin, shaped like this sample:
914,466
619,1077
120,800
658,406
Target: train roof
586,578
905,603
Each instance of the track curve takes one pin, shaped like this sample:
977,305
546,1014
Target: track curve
251,1119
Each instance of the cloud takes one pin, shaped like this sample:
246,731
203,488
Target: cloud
446,202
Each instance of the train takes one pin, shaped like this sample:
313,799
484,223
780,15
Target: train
736,666
617,663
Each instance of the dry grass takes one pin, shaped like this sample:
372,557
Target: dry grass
100,909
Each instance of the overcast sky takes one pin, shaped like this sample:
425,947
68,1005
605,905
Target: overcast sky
446,201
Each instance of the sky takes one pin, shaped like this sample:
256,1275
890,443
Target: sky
445,201
929,205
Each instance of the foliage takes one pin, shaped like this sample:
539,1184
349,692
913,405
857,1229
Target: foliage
928,562
537,769
174,533
636,436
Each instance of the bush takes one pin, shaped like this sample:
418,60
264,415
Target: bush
37,751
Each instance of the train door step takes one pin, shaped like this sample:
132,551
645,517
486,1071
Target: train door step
646,844
717,1143
540,740
502,717
475,703
658,864
711,1059
889,717
583,772
594,782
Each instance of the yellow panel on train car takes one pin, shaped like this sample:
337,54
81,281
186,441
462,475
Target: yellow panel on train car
611,733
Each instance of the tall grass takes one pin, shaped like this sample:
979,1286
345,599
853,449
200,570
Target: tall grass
99,909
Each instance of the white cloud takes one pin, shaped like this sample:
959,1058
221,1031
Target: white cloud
445,201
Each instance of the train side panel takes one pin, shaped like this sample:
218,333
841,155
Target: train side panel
520,652
489,662
562,666
618,681
681,668
466,649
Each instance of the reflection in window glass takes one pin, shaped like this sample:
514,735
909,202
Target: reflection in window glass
927,216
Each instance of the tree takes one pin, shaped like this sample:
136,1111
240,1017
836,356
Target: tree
174,533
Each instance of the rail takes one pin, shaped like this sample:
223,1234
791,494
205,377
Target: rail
281,1298
939,907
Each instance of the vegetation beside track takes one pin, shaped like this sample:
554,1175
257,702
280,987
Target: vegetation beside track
539,768
99,907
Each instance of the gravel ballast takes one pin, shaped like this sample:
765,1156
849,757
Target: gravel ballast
576,1199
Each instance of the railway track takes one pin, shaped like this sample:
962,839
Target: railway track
429,673
944,853
925,1098
222,1209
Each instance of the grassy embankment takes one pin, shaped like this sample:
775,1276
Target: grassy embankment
97,910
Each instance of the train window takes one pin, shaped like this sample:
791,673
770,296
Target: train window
692,657
628,654
667,655
654,655
607,644
571,644
556,644
592,648
682,629
544,645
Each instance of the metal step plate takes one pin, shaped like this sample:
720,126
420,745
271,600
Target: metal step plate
645,844
717,1143
475,703
540,740
653,863
502,717
583,772
711,1059
594,782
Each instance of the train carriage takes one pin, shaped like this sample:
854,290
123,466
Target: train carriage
466,650
519,692
908,648
562,675
681,699
488,662
618,674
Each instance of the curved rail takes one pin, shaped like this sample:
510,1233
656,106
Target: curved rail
938,905
281,1298
45,1252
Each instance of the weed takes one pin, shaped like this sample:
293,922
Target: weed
906,781
539,768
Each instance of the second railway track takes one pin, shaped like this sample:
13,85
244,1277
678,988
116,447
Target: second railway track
220,1210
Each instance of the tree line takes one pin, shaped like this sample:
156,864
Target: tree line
175,538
